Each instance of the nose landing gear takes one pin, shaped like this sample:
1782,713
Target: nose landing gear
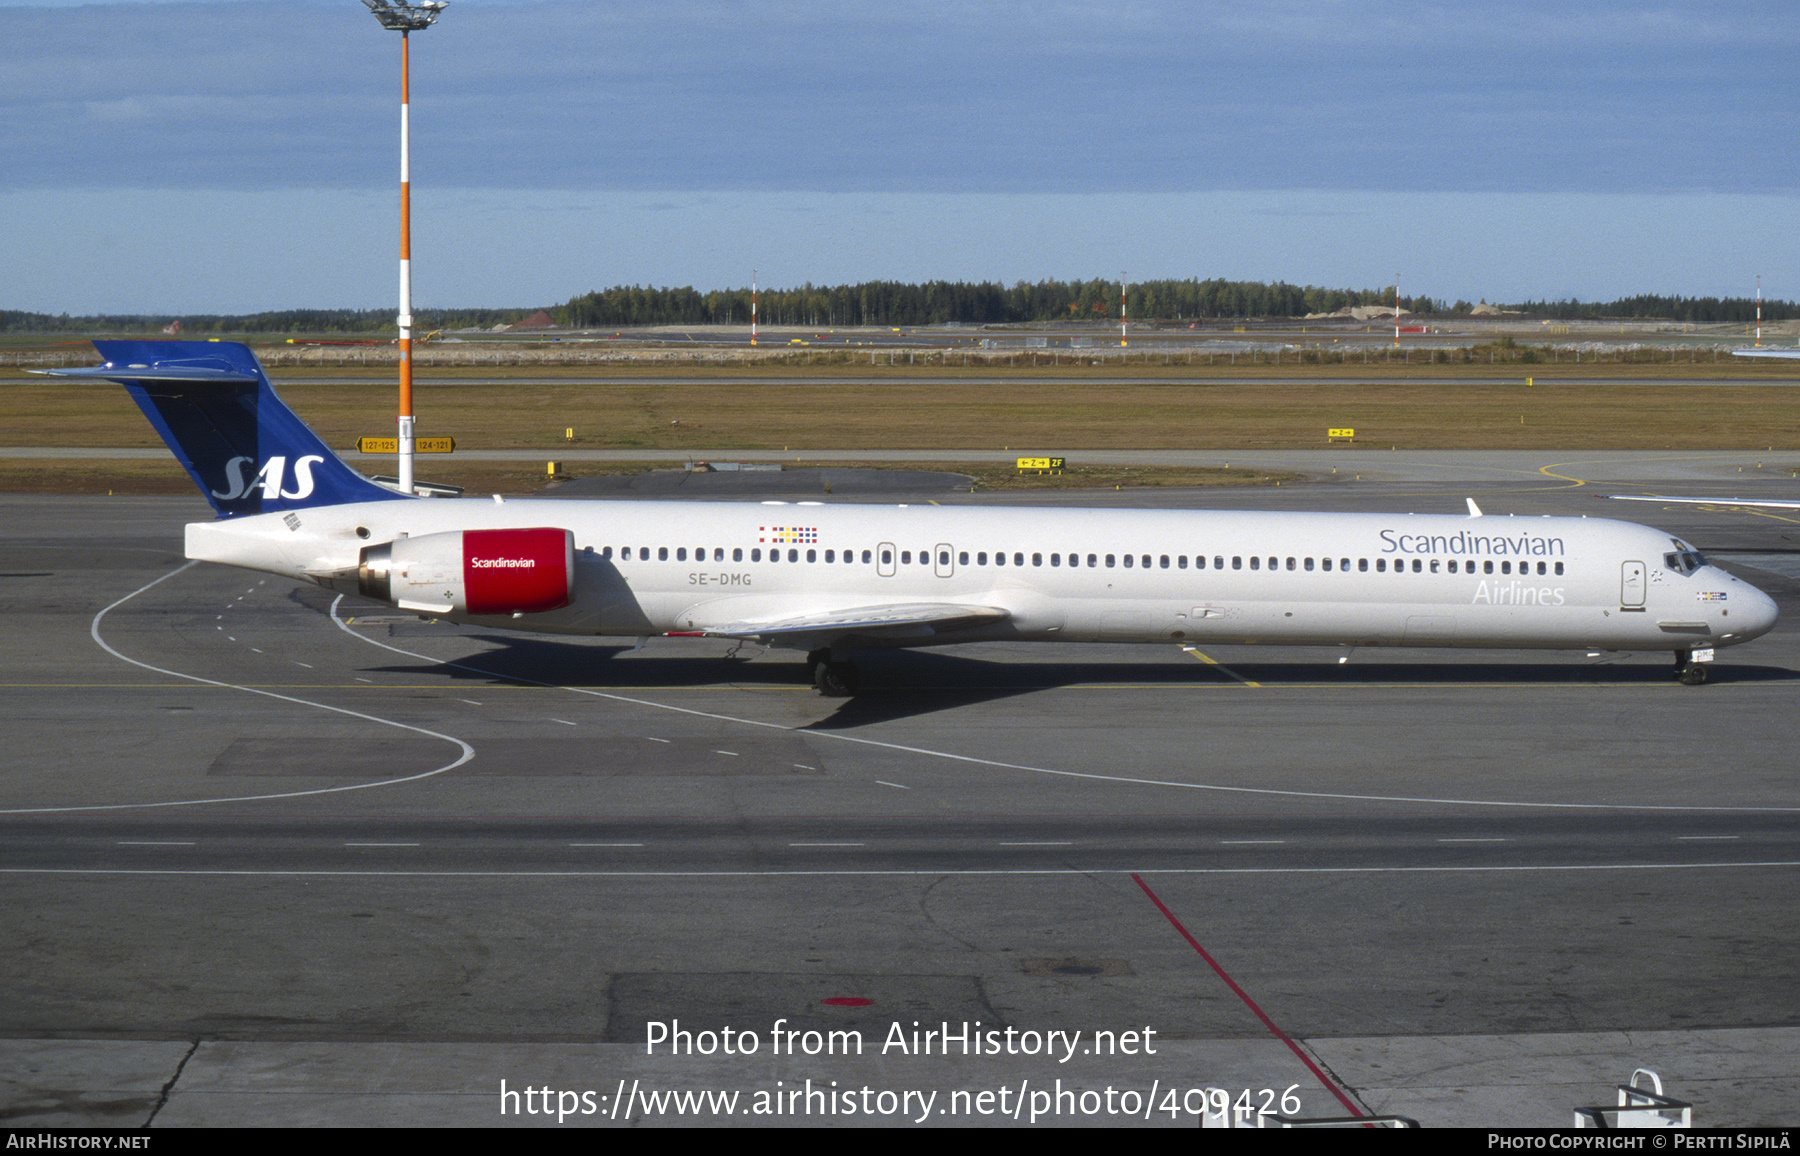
1691,665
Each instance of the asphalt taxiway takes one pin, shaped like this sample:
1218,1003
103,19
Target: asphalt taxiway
273,857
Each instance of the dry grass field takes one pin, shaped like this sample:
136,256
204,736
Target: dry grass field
1732,405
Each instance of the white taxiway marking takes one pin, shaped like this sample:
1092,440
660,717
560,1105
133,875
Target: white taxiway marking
592,873
976,760
468,752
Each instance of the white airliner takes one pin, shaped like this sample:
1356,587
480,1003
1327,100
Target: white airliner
828,580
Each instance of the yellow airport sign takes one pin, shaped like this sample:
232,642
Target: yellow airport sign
392,445
1041,463
1340,433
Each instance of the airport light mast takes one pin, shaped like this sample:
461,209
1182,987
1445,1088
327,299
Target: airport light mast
1121,309
406,19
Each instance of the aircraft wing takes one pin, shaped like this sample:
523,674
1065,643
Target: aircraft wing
1765,353
903,620
1755,503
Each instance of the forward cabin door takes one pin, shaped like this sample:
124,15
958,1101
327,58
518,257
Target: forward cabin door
1631,585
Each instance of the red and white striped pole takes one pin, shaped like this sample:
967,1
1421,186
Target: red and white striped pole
405,19
1121,308
753,306
405,319
1396,311
1759,310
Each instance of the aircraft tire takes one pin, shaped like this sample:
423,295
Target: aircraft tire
834,679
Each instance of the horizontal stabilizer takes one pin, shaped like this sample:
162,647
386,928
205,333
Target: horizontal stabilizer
215,408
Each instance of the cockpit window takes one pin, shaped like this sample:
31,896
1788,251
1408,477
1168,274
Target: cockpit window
1684,561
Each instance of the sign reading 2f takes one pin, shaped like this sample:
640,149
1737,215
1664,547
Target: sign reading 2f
271,478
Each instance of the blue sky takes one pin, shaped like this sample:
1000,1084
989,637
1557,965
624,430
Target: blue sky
191,156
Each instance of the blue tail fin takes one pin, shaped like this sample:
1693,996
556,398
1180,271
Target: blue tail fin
245,449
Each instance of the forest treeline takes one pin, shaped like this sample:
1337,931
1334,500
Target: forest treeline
989,302
897,303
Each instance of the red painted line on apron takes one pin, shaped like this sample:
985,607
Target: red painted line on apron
1329,1084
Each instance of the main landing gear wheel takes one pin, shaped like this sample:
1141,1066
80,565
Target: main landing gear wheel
833,679
1689,669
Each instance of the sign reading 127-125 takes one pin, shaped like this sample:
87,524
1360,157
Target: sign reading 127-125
392,445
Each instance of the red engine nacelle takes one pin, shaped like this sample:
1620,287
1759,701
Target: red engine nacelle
524,571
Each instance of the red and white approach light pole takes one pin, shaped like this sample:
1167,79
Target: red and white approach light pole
406,19
1121,308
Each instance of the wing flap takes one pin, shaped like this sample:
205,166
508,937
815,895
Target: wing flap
901,620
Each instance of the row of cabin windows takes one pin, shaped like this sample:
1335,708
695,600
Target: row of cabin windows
1097,561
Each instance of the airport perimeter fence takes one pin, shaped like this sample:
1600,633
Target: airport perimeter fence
994,356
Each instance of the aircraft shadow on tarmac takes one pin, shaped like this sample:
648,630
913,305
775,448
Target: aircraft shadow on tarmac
909,683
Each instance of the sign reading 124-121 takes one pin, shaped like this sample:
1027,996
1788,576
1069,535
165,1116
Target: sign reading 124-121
392,445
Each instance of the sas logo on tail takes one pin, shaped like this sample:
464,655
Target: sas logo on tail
271,478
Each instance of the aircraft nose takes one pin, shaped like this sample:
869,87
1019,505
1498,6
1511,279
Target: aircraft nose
1753,614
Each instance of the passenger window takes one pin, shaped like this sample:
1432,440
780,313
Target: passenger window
1559,567
1381,565
1219,562
1056,559
681,553
1362,565
1290,563
1037,559
811,555
1308,564
1128,561
1434,565
1181,561
962,559
662,553
1237,562
1506,567
999,558
1093,560
1018,559
1418,566
1109,561
906,557
887,557
1255,562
